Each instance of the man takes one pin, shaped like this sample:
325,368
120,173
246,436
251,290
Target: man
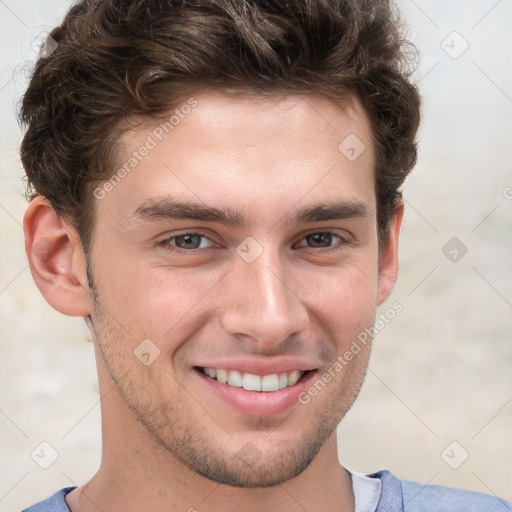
216,190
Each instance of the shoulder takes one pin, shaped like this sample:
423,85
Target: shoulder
417,497
451,499
55,503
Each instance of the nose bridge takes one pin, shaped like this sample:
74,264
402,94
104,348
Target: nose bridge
263,303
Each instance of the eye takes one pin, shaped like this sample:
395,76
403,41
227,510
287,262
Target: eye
186,242
189,242
323,240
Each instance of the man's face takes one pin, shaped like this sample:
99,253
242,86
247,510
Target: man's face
286,285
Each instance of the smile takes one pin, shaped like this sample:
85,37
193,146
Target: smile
252,382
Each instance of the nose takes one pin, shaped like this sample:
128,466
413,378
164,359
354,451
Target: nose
263,304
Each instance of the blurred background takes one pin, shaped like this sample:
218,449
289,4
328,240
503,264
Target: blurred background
436,406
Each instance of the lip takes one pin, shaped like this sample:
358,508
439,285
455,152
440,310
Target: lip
256,403
260,366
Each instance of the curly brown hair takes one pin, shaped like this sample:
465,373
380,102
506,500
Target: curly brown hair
120,59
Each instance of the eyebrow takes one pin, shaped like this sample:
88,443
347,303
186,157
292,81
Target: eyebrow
169,208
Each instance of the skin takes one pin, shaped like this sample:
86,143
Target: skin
168,442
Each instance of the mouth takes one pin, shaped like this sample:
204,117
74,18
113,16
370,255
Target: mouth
251,394
252,382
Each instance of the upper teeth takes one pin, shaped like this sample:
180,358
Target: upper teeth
252,382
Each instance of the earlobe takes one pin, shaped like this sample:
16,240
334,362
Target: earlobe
388,257
56,259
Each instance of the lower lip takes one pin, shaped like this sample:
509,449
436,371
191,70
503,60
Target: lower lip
257,403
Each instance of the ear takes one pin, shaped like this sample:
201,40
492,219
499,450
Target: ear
56,259
388,256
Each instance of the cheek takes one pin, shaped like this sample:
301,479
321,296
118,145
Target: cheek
166,304
342,300
170,304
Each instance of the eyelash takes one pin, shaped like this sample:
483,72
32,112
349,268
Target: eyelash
166,245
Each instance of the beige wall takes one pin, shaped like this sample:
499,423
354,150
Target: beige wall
441,371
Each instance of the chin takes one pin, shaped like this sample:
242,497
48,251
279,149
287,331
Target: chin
261,473
250,466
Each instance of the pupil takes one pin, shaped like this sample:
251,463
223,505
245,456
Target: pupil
188,239
322,238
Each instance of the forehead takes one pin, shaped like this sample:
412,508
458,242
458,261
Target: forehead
238,121
249,152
